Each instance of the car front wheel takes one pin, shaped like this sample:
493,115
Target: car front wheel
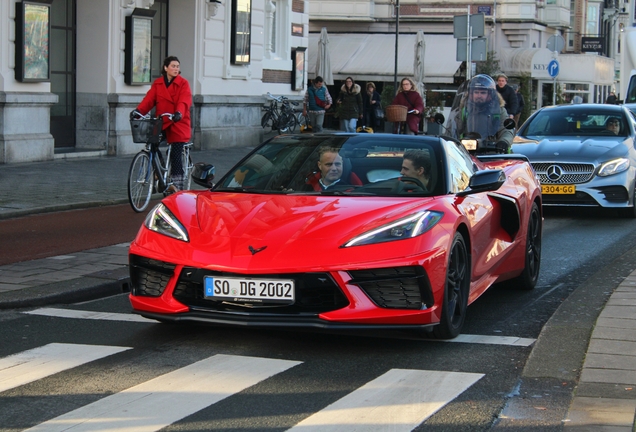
455,302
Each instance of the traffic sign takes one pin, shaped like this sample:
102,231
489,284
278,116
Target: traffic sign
553,68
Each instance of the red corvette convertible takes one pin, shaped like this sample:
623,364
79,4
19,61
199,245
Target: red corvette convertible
342,231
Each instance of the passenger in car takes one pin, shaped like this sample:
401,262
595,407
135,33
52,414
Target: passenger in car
613,124
416,164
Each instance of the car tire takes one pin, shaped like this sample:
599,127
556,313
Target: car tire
527,280
455,301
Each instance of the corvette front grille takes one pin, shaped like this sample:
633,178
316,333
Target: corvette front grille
314,293
571,173
395,287
149,277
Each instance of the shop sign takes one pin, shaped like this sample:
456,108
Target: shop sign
592,44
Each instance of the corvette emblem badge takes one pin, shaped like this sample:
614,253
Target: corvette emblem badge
255,251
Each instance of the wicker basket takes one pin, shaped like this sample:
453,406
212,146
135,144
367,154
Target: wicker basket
396,113
146,130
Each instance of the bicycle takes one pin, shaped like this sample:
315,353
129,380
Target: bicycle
149,172
282,119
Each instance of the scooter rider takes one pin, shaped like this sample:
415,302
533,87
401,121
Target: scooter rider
481,110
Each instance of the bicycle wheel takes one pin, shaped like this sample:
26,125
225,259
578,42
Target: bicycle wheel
293,123
267,121
140,181
285,122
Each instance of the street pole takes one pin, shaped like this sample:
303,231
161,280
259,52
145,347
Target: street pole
397,32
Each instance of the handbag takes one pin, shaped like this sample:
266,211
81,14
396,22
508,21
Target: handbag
379,112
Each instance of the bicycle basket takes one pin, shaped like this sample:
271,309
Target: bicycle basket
146,130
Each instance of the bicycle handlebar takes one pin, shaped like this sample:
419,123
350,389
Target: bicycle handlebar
139,116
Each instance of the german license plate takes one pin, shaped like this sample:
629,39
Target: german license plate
558,189
249,290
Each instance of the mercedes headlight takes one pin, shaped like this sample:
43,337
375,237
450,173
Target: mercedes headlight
408,227
161,220
613,167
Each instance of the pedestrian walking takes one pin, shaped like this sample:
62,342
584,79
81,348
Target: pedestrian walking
316,102
349,105
508,94
371,102
611,99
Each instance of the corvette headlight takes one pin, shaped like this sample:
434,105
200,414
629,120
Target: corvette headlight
401,229
161,220
613,167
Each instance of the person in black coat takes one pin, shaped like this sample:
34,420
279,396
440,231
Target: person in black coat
612,99
508,94
371,100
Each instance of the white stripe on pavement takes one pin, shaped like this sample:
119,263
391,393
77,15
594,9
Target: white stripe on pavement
157,403
493,340
397,401
79,314
37,363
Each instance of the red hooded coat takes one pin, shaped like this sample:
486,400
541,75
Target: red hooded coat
176,97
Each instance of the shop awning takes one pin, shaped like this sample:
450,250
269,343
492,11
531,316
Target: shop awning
590,68
371,57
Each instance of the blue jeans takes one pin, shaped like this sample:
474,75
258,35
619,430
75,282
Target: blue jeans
348,125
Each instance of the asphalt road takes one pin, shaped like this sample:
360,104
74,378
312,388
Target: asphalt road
509,387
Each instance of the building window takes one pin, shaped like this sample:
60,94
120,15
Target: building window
277,29
591,20
241,31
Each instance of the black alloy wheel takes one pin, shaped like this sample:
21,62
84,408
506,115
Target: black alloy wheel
455,303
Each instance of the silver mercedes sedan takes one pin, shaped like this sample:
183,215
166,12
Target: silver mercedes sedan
583,154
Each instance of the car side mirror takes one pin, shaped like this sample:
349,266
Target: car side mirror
203,174
484,181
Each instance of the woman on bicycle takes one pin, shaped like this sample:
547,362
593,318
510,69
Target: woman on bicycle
170,93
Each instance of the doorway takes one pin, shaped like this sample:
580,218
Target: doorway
63,30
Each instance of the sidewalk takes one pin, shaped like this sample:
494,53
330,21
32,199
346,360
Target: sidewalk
605,395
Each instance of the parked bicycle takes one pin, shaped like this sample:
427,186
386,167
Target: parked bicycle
149,171
283,118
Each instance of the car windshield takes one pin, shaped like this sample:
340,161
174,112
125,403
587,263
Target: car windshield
356,165
576,123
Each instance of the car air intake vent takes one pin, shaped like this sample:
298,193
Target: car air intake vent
563,173
615,194
149,277
314,293
396,287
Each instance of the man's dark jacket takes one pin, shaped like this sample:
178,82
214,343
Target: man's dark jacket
510,97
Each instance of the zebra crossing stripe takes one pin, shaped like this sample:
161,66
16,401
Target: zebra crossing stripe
398,401
157,403
38,363
80,314
110,316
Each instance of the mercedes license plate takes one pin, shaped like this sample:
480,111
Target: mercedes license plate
558,189
249,290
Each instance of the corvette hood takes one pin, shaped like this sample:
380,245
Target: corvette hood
285,217
574,150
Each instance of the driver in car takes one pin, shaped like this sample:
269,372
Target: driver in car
613,124
481,110
330,169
